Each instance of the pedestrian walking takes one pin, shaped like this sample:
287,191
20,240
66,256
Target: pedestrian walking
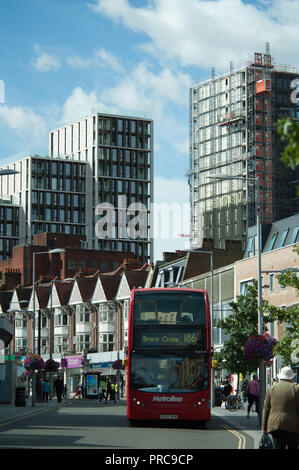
281,411
65,391
112,393
58,387
102,390
46,391
79,393
244,386
227,390
109,390
252,392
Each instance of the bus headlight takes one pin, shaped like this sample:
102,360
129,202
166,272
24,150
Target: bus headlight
137,402
201,402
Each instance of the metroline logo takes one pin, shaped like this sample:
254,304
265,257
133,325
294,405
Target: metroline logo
167,399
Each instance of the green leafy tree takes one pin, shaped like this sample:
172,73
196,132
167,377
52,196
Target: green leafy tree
242,323
288,347
289,133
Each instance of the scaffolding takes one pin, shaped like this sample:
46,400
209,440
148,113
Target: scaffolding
232,131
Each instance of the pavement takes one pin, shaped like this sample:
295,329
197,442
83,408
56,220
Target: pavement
236,420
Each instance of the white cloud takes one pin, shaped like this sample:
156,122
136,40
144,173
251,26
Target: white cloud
100,58
105,58
78,62
149,91
210,33
81,103
78,104
24,122
44,62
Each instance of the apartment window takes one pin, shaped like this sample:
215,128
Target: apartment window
106,342
106,313
250,246
21,344
272,242
21,323
81,315
244,286
60,343
271,329
125,339
48,198
44,321
283,238
272,282
82,342
126,309
60,319
294,235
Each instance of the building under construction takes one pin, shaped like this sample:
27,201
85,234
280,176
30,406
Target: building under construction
233,121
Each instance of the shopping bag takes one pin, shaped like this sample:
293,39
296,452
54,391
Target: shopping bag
266,442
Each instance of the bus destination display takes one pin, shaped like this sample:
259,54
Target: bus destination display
165,338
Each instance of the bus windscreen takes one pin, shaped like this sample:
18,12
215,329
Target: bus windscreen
169,373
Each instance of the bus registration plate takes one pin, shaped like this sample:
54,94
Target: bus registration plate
169,416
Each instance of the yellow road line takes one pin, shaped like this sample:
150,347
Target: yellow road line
241,438
19,418
28,415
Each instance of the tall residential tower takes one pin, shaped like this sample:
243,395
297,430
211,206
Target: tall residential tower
233,131
119,154
98,165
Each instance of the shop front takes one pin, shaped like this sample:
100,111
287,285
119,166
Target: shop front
74,372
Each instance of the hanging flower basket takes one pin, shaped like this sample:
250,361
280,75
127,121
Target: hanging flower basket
34,362
28,373
259,347
52,366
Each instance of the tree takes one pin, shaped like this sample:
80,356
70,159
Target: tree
242,323
289,132
288,347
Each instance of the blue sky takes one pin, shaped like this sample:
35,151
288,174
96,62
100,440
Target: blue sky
59,59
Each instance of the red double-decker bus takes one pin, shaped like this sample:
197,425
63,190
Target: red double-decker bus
169,355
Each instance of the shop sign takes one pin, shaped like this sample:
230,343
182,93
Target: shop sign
100,365
71,362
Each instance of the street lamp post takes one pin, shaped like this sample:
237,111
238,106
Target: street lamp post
262,369
51,320
34,254
211,253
